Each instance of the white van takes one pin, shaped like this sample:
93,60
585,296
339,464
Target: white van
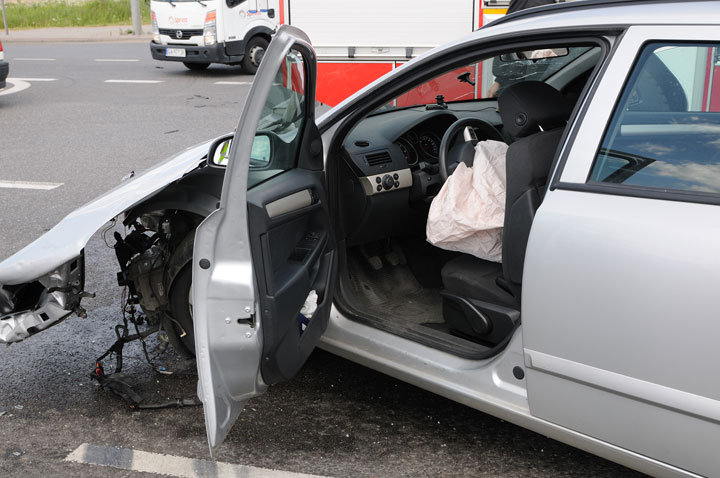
200,32
353,43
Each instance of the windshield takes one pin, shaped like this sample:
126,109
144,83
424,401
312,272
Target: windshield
488,78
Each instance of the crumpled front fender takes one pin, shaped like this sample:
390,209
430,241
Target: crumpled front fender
43,283
65,241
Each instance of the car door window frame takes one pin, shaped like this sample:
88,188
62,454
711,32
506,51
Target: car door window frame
591,126
338,122
336,125
417,71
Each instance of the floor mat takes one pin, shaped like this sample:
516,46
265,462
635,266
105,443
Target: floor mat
392,293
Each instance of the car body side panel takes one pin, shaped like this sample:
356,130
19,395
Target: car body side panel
65,241
620,298
487,385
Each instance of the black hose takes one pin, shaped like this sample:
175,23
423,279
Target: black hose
180,402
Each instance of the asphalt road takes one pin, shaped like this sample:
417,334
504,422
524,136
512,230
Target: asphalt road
336,418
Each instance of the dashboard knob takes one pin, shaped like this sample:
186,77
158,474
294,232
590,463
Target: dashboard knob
388,182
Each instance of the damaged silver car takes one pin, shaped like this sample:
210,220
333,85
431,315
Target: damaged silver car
597,328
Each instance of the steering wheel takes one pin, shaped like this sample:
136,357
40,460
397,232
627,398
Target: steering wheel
453,153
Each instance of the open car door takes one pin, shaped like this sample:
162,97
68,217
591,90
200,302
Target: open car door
268,245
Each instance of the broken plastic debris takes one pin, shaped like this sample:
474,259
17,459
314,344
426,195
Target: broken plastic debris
307,311
17,453
18,407
310,305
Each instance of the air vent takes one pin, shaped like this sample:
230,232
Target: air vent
362,143
376,159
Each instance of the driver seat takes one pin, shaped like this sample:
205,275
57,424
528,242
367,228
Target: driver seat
481,298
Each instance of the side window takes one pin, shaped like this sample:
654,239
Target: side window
665,132
279,130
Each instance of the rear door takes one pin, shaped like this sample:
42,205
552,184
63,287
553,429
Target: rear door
620,292
267,246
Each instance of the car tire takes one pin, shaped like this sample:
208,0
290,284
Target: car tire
196,66
181,312
254,51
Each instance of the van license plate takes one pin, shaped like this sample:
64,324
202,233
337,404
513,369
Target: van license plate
179,52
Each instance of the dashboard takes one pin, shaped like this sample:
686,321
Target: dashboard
392,159
420,143
396,140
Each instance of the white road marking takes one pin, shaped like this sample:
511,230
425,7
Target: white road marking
16,86
32,79
134,81
142,461
233,82
28,185
116,59
33,59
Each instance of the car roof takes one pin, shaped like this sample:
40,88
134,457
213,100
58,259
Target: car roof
616,12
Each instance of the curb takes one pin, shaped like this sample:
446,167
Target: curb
130,39
113,33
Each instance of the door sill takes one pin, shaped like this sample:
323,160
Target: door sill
421,334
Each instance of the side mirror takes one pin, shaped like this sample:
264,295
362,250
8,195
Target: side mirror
260,155
218,155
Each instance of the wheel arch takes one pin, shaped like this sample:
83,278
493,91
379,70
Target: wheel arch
261,31
195,196
178,198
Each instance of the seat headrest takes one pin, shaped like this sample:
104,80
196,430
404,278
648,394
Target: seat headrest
531,106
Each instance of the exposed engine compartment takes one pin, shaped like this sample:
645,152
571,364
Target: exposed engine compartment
150,256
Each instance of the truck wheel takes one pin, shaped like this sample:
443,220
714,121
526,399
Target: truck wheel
254,51
196,66
181,310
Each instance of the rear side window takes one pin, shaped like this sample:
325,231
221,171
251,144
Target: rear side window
665,132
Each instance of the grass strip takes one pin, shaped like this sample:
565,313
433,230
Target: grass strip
75,14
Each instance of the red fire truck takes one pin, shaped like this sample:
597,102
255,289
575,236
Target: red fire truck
357,42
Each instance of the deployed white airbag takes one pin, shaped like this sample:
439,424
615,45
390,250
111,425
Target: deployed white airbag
467,214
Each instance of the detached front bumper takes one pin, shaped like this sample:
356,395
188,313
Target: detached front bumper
26,309
194,54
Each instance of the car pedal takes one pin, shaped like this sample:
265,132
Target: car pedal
372,259
392,258
397,251
375,262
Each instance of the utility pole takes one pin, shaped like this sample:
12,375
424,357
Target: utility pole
135,15
4,17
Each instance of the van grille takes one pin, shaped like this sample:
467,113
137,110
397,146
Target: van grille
184,34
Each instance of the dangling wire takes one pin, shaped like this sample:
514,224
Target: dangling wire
106,230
